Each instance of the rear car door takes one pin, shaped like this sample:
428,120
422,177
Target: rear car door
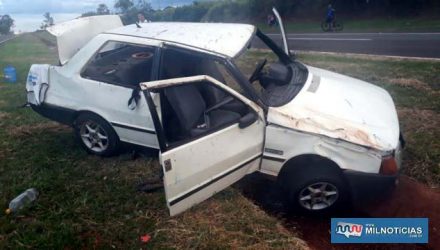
204,149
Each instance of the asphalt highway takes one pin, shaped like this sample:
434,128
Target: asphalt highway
5,38
391,44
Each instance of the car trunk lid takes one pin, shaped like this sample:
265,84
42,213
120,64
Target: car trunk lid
73,35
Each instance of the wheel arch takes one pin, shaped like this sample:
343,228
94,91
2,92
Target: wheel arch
296,165
81,112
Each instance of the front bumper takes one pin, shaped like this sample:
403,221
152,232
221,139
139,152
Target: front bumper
366,187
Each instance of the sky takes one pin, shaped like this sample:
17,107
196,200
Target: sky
69,6
28,14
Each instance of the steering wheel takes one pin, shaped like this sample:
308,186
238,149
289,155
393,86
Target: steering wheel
257,71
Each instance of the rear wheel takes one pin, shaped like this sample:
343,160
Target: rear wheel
325,26
95,135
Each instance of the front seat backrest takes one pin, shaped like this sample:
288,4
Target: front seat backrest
188,104
212,94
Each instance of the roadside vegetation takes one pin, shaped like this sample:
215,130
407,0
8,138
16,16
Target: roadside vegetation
91,202
298,15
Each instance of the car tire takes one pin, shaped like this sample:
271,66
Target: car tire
325,26
96,135
316,191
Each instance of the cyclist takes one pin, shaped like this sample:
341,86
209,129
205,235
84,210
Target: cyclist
330,16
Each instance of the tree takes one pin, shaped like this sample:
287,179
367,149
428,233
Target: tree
6,23
130,9
47,22
124,5
102,9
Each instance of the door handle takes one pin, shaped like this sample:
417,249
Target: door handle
167,165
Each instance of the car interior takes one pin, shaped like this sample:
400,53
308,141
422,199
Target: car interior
192,110
121,64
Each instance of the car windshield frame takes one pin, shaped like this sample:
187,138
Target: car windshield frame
298,78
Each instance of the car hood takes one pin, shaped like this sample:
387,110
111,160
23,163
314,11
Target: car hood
341,107
73,35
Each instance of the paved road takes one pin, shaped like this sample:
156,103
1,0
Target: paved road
392,44
5,38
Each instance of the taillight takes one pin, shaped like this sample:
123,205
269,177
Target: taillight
388,166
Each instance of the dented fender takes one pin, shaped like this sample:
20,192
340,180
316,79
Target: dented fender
285,144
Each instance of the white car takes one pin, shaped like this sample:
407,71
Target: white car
181,88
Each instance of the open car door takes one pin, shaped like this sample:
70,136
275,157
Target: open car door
198,165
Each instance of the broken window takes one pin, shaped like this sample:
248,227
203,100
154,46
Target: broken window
121,64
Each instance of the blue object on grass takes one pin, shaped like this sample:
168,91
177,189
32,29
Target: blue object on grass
10,74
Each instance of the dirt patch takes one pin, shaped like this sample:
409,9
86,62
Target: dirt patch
25,130
408,199
412,199
410,82
417,120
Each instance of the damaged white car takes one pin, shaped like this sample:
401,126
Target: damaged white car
182,88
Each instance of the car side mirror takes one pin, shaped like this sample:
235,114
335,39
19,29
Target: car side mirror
247,120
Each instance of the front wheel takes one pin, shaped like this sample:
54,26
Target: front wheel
317,192
95,135
338,26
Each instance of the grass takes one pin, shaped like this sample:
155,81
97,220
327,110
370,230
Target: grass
91,202
363,25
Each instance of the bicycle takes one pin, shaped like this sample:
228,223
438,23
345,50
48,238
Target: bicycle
331,26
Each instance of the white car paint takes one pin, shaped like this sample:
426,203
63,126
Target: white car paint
342,107
220,38
68,89
345,120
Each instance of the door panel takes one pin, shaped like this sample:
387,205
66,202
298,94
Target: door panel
205,166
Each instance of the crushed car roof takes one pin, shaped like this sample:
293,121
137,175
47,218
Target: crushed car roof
220,38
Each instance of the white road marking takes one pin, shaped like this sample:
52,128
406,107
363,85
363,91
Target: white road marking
4,41
329,39
363,54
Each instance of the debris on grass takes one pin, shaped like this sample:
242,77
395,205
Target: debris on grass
145,238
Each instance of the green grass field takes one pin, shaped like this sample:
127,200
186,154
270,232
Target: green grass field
91,202
363,25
